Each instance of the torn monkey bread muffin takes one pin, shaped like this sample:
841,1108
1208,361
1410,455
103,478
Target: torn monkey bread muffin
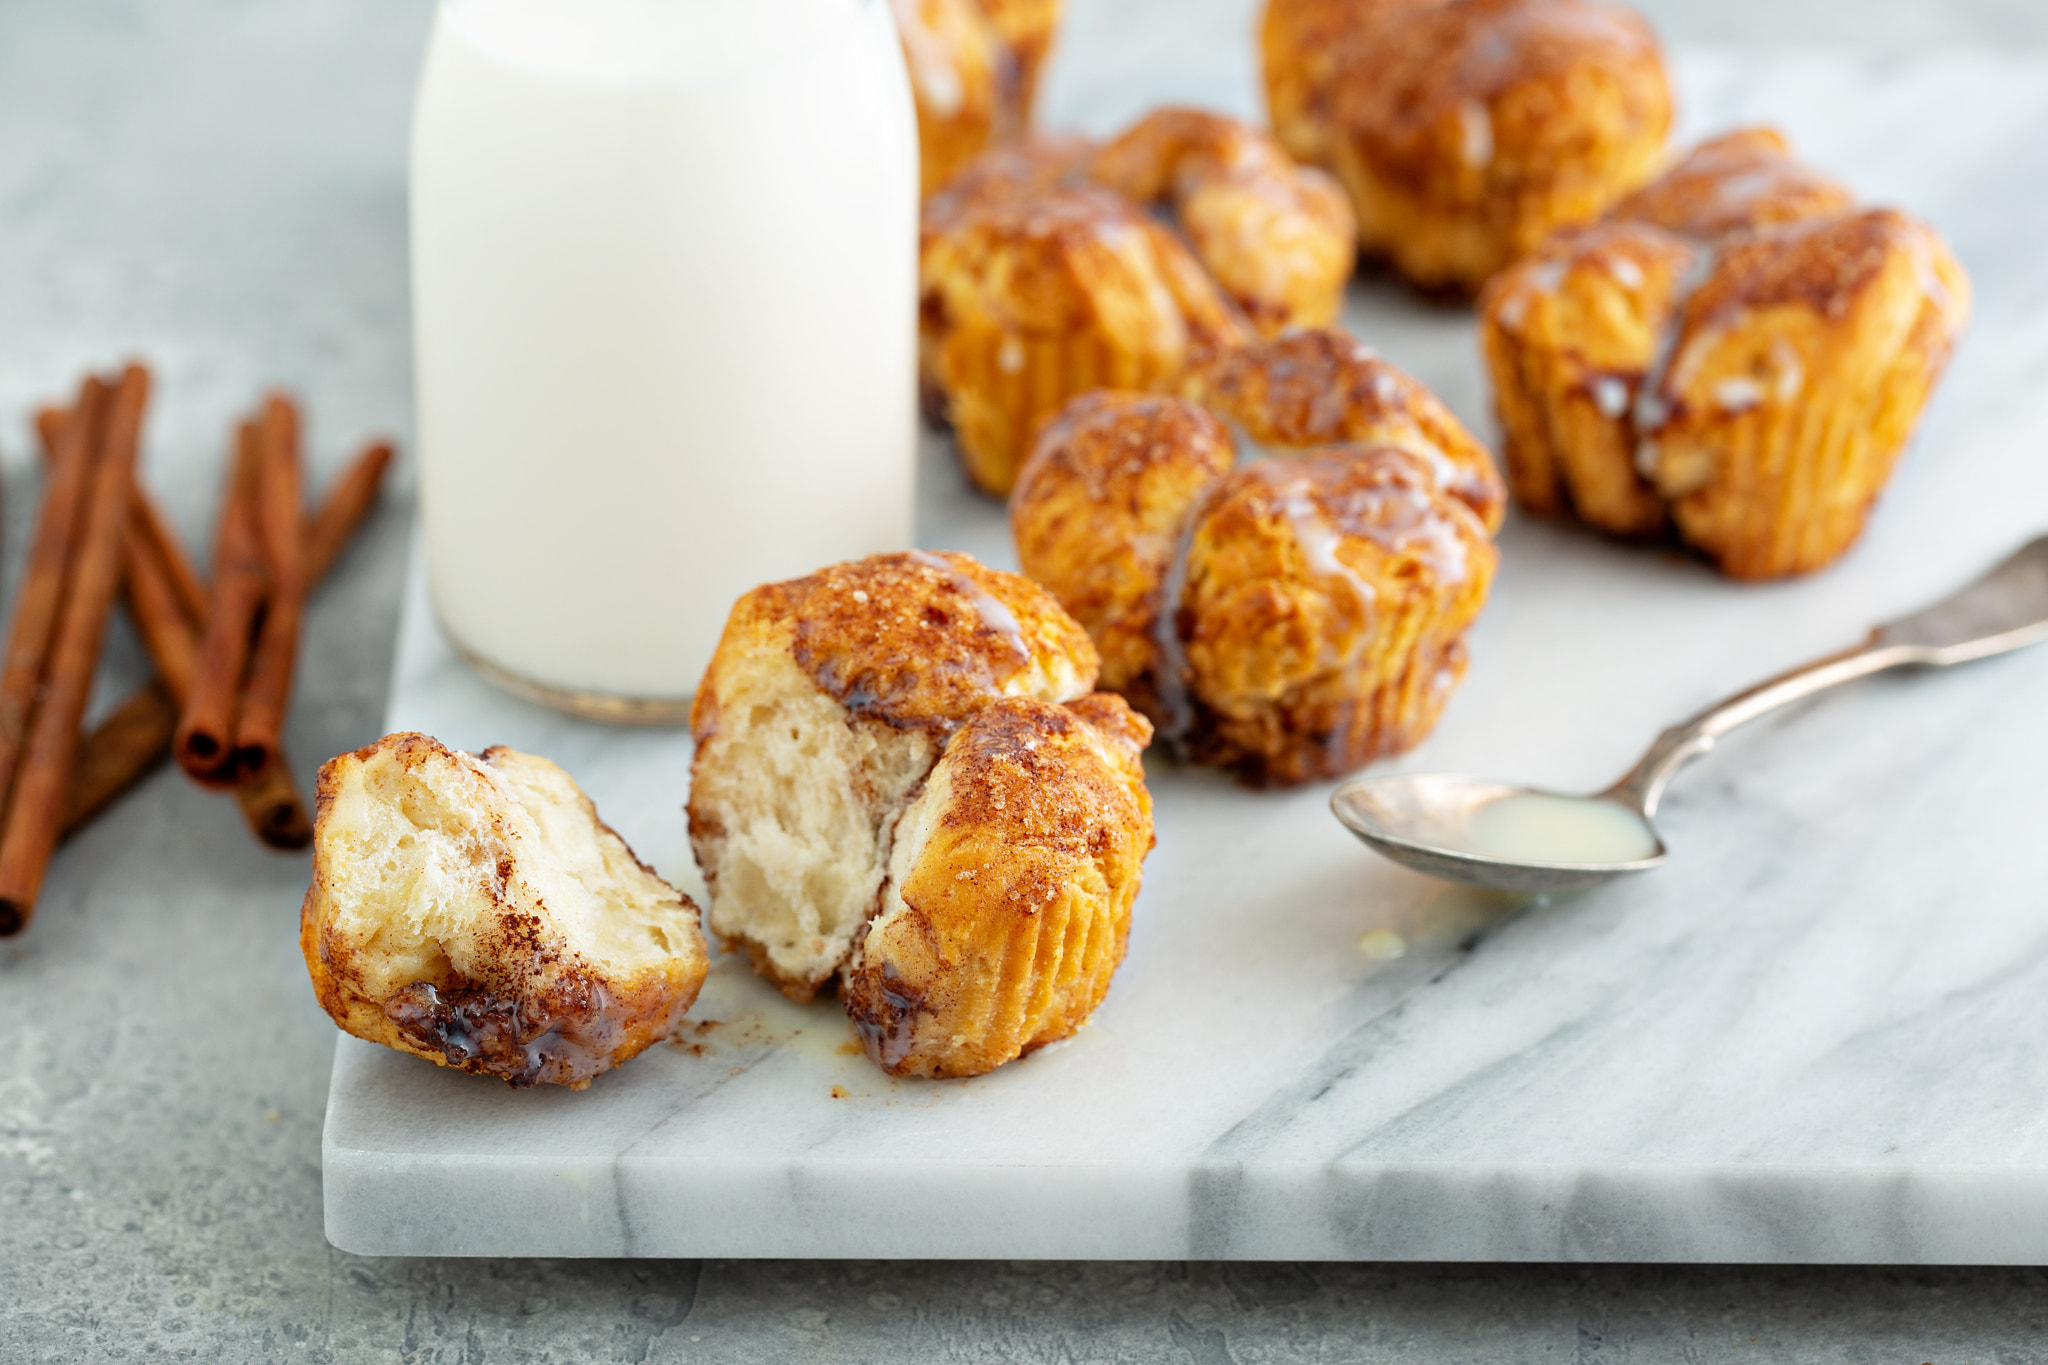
1738,352
1289,619
913,737
474,911
1007,902
1467,130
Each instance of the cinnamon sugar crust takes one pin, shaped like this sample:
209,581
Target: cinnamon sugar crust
973,67
1324,610
1323,387
1744,179
1735,355
1466,131
1099,511
1305,47
1290,619
1029,299
1278,237
1008,902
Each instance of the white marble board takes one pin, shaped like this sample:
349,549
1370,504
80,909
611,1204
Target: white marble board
1816,1036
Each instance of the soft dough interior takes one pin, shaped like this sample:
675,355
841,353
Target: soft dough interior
802,795
432,840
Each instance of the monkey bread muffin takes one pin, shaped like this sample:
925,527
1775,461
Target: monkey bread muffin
474,911
1278,237
1738,353
973,67
1046,271
911,740
1029,296
1292,618
1468,130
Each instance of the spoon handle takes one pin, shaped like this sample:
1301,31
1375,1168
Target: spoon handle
2004,610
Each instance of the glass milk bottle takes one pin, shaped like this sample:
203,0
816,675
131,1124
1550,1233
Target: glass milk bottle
664,309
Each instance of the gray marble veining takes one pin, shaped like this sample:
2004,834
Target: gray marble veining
1813,1037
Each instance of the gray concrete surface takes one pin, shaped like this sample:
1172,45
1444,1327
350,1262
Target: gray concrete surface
218,184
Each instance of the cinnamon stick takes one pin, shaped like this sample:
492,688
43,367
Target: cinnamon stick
206,733
169,631
40,601
349,499
273,809
43,783
150,524
137,736
119,751
259,725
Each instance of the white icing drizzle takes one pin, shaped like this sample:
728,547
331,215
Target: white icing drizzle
1738,394
1475,134
1652,409
1540,281
1610,395
1170,672
1624,269
1319,540
993,614
1791,373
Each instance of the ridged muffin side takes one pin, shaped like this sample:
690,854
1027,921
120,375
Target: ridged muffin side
1738,353
1011,879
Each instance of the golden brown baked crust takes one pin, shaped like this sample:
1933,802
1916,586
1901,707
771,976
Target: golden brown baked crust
1304,47
1744,179
1735,354
1468,130
973,67
1027,28
1324,387
1324,610
1309,614
474,911
1099,512
1027,299
1278,237
824,706
1568,335
1011,880
1032,168
1797,375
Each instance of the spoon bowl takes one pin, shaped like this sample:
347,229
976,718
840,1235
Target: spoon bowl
1513,838
1498,835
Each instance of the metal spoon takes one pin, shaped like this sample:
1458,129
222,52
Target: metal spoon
1459,827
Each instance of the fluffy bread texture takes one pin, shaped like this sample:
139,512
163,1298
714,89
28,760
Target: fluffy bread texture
1011,877
1278,237
825,705
1468,130
474,911
973,67
1290,619
1738,353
